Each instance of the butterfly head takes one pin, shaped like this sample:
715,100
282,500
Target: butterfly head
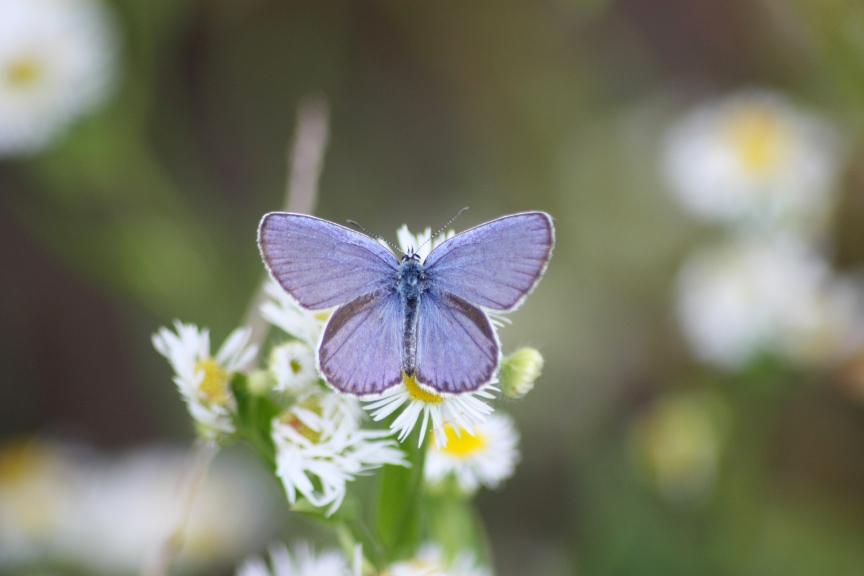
411,255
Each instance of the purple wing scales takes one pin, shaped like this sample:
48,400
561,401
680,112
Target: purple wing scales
496,264
361,349
457,348
322,264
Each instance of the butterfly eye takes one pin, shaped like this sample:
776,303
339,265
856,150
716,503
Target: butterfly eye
416,257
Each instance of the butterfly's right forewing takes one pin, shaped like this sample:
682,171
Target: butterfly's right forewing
496,264
361,350
322,264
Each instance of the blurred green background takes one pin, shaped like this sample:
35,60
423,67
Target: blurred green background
146,211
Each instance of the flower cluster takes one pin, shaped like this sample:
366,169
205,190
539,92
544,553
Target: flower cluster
318,440
766,170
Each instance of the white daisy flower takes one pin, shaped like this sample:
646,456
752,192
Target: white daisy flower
486,458
320,447
57,61
293,367
204,381
464,410
430,561
754,159
421,244
284,312
753,296
302,562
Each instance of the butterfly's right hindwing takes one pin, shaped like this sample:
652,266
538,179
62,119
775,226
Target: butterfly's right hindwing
322,264
457,348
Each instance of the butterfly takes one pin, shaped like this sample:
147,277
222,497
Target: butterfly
407,316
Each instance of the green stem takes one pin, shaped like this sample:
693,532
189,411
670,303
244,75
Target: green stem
400,510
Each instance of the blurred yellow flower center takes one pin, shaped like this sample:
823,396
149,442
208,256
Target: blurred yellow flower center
418,393
17,461
23,73
759,136
295,422
463,445
215,382
296,367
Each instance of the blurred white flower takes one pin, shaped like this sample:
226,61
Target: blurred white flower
293,367
430,561
463,410
678,443
320,447
284,312
303,562
57,61
37,487
105,516
754,159
486,458
752,296
421,244
204,381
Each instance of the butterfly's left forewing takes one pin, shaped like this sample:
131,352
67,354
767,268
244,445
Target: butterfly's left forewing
361,349
322,264
457,348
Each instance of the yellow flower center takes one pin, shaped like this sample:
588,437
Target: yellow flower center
759,136
214,386
296,367
419,394
464,445
23,72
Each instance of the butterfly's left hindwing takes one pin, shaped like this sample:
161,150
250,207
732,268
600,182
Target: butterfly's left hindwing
322,264
361,349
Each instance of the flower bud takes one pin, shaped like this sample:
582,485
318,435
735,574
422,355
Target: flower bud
519,370
260,382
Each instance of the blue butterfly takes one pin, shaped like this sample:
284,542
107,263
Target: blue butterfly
405,316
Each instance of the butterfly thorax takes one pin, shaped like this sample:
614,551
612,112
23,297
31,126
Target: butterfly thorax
411,283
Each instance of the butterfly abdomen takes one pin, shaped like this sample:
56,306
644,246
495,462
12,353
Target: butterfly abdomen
411,283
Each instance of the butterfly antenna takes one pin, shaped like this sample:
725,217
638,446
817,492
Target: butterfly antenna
453,219
376,236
